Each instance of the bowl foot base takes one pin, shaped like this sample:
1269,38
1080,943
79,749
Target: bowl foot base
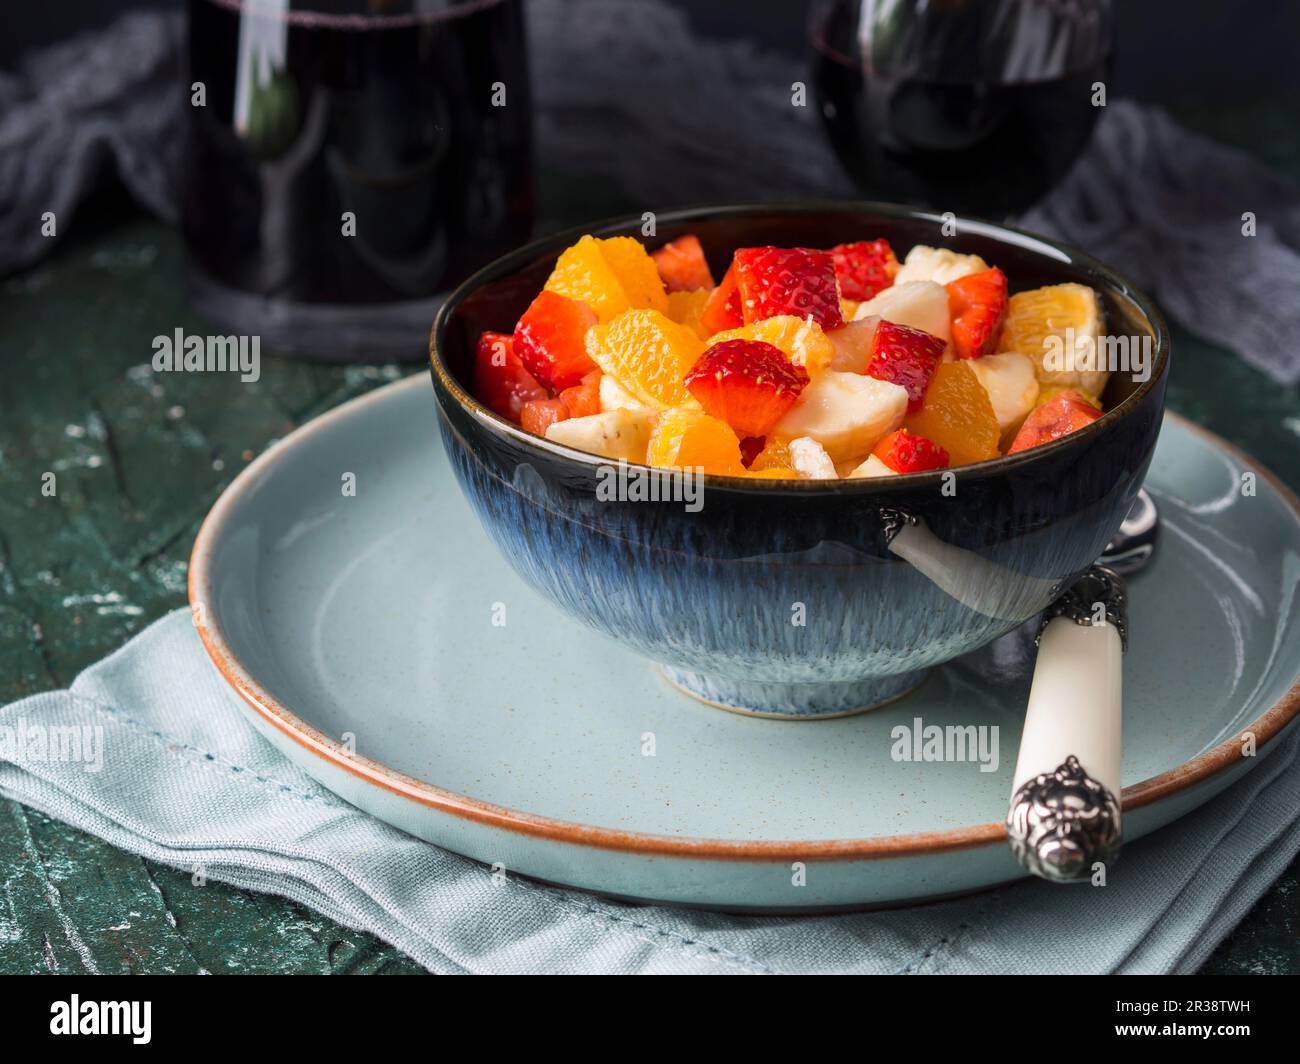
794,701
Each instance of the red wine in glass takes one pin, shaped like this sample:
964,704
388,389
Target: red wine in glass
970,106
351,160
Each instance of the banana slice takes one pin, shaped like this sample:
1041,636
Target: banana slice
614,434
920,304
810,461
847,413
852,345
613,396
873,467
1010,380
938,265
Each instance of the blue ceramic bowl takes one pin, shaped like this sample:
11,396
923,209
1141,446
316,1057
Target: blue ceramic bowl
802,599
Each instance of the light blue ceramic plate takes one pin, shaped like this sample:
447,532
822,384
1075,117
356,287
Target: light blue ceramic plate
487,721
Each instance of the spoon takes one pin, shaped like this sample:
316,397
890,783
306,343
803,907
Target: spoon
1064,821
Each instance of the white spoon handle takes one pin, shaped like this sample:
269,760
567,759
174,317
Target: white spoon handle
1065,815
977,583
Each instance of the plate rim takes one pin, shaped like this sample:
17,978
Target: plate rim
1206,765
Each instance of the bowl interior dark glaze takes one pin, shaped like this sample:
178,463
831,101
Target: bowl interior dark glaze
712,594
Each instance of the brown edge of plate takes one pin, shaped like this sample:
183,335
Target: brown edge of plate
1204,766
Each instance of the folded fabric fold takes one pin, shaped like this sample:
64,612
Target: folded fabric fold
171,769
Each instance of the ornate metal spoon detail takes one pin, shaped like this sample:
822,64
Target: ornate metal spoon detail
1064,818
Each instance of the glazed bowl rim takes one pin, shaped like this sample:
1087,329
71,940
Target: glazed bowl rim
1065,254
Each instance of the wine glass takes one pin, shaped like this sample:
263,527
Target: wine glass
969,106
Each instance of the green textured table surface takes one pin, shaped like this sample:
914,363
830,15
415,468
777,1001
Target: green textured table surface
139,459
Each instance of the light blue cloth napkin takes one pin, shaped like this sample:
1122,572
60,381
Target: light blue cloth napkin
172,770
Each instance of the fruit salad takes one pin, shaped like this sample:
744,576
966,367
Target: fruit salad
798,363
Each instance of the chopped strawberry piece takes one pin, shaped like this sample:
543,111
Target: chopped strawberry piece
798,281
722,311
977,304
1059,416
746,383
551,339
750,447
864,268
682,265
540,414
904,356
583,398
501,382
905,452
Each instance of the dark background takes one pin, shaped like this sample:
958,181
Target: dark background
1198,53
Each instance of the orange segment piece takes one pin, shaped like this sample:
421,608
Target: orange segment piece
581,272
647,354
773,474
957,415
610,276
774,456
687,308
688,439
801,340
1034,318
636,272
